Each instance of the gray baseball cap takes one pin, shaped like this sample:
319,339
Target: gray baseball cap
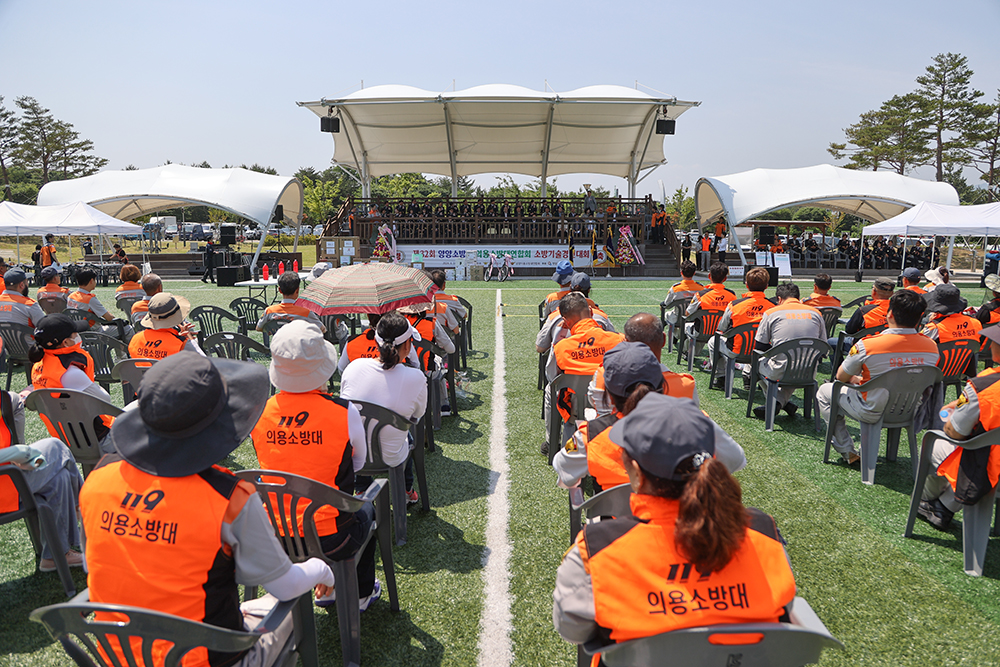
662,432
629,363
580,281
912,273
14,277
885,284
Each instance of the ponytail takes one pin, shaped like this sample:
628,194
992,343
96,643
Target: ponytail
35,353
390,326
388,355
626,404
370,334
712,521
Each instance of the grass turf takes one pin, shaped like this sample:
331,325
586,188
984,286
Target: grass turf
891,600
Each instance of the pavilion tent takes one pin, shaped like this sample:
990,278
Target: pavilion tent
872,195
499,128
73,219
929,219
128,194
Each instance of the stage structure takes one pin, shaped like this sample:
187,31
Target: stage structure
611,130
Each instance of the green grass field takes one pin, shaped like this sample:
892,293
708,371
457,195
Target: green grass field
892,601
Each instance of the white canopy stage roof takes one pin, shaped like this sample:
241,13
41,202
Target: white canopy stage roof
62,220
872,195
499,128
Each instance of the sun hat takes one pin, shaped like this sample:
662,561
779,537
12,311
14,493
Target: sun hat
166,311
945,299
885,284
319,268
580,281
564,272
14,277
934,276
662,432
55,328
993,282
992,332
301,358
416,308
627,364
911,273
192,413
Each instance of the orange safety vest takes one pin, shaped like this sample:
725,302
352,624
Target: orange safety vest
286,311
9,499
955,327
48,250
141,306
680,385
875,314
83,299
582,352
720,229
52,288
822,301
129,289
604,458
988,391
441,309
745,310
556,296
155,344
643,586
48,373
916,288
715,297
156,543
687,285
659,218
306,434
706,244
360,347
425,328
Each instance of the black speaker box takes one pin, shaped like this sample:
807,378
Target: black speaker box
228,276
766,234
329,124
227,236
665,126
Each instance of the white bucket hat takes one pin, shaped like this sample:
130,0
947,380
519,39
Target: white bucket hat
166,311
301,358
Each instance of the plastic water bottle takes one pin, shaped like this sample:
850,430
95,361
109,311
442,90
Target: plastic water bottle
946,413
295,265
266,272
281,268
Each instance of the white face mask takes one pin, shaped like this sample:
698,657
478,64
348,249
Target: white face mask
76,339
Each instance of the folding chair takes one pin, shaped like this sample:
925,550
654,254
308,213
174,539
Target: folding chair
129,372
802,357
709,323
106,352
17,340
41,524
80,635
958,360
212,320
975,518
284,494
376,418
906,387
71,415
831,317
838,354
53,302
576,388
250,310
747,335
610,502
791,644
229,345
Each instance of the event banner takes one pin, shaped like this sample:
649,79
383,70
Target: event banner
446,256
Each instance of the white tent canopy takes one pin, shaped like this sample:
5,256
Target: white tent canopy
499,128
63,220
927,219
129,194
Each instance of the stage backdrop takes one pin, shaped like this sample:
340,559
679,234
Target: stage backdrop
445,256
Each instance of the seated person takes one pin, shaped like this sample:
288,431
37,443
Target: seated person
562,275
438,278
151,286
430,329
873,313
330,446
555,329
84,299
685,289
388,381
935,277
167,330
821,297
130,287
288,285
715,298
51,283
192,412
963,478
686,508
747,309
15,305
363,345
947,322
911,280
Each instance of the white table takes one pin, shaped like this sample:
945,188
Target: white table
262,285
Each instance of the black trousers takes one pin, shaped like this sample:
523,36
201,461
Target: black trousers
346,542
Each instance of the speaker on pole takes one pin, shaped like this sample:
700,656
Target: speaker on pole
665,126
766,234
329,124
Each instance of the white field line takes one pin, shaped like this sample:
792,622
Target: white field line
495,622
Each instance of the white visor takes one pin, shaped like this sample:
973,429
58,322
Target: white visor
401,338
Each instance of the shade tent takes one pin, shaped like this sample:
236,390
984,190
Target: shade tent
129,194
871,195
499,128
76,219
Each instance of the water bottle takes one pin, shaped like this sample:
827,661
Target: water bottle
946,413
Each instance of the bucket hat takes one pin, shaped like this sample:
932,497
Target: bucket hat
166,311
301,358
945,299
564,272
192,413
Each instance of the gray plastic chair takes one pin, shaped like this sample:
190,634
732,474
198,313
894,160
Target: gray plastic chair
975,518
125,304
72,414
80,635
17,339
578,384
678,307
906,387
466,327
802,359
958,361
271,327
767,644
214,319
706,324
41,523
747,333
249,309
53,302
838,354
229,345
831,317
87,316
129,372
280,492
424,348
610,502
106,352
376,418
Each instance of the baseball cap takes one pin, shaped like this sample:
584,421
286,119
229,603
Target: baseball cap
911,273
627,364
48,273
564,270
662,432
580,281
14,277
885,284
55,328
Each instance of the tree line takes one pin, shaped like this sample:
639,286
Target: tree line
945,123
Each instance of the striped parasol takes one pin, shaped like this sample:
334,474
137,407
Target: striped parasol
367,288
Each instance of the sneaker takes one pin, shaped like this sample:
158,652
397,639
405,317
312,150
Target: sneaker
365,603
544,448
853,459
706,365
790,408
719,383
445,410
411,497
935,513
73,559
760,412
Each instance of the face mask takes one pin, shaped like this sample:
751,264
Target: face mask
76,339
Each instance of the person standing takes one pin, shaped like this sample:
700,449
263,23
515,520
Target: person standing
721,247
589,204
686,247
706,252
48,251
209,262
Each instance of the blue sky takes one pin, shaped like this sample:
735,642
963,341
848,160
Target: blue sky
188,81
